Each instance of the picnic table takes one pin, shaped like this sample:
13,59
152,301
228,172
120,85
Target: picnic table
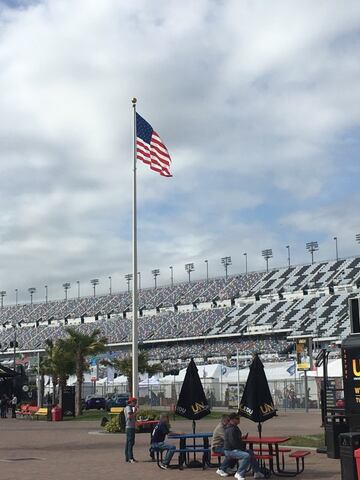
193,443
271,450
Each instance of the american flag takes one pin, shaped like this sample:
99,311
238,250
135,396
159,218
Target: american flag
150,149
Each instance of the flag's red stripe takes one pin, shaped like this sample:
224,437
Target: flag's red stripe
154,154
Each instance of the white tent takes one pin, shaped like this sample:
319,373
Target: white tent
334,369
273,371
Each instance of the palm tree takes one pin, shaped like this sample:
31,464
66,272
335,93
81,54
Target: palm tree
81,346
58,364
124,366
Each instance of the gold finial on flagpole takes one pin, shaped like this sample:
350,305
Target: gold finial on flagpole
134,100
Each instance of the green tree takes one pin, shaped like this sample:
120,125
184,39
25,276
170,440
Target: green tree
81,346
124,366
58,364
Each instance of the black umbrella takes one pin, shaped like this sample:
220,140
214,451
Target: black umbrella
6,372
257,403
192,402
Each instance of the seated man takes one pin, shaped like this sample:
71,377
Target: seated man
234,447
158,440
217,446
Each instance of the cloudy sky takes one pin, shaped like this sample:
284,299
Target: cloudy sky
258,103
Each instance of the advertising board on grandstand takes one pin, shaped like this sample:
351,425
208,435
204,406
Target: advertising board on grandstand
303,353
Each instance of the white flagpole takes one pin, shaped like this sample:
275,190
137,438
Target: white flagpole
135,379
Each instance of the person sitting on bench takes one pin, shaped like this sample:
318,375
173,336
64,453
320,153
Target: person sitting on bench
158,440
217,446
235,448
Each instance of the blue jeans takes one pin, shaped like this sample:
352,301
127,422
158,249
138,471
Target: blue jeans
129,443
165,446
247,457
227,462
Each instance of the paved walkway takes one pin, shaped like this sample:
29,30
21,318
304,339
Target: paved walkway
40,450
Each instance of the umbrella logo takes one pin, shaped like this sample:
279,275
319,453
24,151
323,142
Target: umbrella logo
198,407
266,408
356,370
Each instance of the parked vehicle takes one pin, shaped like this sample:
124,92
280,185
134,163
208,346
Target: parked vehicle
117,400
95,402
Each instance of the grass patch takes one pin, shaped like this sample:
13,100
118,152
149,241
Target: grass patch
88,415
307,441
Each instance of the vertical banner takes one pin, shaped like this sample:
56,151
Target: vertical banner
303,353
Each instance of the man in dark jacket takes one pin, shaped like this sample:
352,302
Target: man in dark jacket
235,448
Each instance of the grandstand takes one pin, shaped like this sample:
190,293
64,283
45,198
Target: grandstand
206,318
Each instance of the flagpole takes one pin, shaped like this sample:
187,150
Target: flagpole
135,380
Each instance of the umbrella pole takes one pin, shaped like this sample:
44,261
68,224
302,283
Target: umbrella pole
194,439
260,430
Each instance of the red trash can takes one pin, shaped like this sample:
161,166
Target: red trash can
357,458
56,414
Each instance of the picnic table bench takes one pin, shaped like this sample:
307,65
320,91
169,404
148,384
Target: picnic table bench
42,412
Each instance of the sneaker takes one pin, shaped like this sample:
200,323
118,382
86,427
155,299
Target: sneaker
239,477
132,460
222,473
163,466
259,475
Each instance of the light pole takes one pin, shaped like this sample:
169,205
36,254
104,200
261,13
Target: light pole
139,275
312,247
94,282
2,293
336,248
14,345
172,276
155,273
31,290
207,270
226,261
189,267
357,237
78,287
289,260
267,254
128,278
46,294
16,296
246,266
66,288
110,285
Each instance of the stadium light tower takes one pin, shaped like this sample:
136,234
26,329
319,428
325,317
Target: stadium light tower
189,267
94,282
156,273
139,282
66,287
110,284
2,294
336,249
78,287
246,265
172,275
357,237
31,290
128,278
267,254
312,247
207,270
288,250
226,261
16,296
46,294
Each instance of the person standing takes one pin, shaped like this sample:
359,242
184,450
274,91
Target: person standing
13,403
3,406
234,447
130,424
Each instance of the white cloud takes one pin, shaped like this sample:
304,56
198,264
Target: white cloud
249,97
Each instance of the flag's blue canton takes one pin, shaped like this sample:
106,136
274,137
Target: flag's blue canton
143,129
